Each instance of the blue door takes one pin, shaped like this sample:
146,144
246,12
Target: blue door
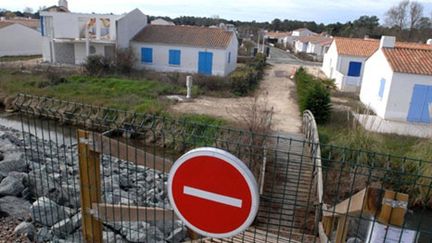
420,101
205,63
354,69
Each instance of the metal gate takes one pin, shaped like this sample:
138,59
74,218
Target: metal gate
99,174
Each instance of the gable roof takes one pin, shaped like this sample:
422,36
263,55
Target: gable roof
356,47
31,23
273,34
185,35
410,60
56,8
316,39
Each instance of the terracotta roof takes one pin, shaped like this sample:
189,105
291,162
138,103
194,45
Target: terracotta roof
315,39
409,60
4,24
31,23
278,34
185,35
356,47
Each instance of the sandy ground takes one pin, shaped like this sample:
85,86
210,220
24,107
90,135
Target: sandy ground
276,88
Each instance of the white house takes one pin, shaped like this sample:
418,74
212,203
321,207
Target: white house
276,37
296,34
161,21
345,59
397,81
19,37
71,37
317,45
209,51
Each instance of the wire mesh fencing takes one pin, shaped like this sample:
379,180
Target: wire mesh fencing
97,174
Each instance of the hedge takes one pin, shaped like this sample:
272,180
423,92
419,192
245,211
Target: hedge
246,78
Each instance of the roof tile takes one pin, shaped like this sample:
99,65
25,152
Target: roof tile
409,60
185,35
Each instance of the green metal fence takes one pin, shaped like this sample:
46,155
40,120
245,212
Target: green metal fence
337,194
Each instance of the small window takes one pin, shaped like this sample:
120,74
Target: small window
92,50
354,69
146,55
42,27
381,88
174,57
229,57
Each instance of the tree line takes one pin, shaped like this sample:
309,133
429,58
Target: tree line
406,20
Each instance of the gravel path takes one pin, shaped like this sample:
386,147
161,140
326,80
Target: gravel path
276,88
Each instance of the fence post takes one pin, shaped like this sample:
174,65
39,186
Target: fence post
89,168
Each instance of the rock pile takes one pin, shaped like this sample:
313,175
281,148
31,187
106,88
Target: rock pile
40,187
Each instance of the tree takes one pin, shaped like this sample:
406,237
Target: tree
28,10
276,24
415,14
397,15
424,23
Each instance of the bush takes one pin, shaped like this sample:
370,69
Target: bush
313,95
96,65
243,80
124,60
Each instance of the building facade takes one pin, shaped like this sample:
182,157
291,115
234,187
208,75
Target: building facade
20,38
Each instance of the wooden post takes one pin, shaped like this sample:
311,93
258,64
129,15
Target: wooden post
89,167
342,229
328,225
388,214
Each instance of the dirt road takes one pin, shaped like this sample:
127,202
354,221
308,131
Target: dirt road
276,88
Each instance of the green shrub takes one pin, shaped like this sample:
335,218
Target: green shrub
244,80
313,95
124,60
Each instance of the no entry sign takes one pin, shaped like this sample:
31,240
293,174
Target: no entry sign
213,192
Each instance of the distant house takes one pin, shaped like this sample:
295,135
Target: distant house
20,37
276,37
161,21
209,51
397,81
317,45
71,37
296,34
345,59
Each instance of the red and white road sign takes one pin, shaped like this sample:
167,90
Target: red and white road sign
213,192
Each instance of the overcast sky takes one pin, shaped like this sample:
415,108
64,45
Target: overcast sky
326,11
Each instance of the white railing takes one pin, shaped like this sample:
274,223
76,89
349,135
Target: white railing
310,129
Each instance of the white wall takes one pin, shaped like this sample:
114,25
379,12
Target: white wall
233,48
376,68
129,26
188,62
81,54
331,59
400,94
19,40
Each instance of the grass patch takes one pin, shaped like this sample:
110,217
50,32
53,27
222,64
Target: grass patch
18,58
114,92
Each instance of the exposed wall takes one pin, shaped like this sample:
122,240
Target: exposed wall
19,40
129,26
188,58
81,53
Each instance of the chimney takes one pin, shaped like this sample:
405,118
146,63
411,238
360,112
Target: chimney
63,3
388,42
429,42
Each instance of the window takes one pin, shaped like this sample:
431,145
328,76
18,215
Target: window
381,88
146,55
354,69
92,50
42,25
174,57
229,57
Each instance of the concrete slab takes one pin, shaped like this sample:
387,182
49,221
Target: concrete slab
377,124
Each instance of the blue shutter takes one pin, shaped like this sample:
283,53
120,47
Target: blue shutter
229,57
42,27
420,101
354,69
382,87
174,57
146,55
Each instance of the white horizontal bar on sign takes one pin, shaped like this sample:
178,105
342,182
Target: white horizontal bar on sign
230,201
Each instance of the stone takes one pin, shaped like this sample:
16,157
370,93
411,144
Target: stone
43,184
15,207
11,186
65,227
23,177
48,213
12,162
354,240
43,235
25,229
178,235
141,232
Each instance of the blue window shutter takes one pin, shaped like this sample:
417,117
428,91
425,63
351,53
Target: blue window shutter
146,55
354,69
42,27
229,57
174,57
382,87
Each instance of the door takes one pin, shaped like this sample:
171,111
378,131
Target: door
420,105
205,63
